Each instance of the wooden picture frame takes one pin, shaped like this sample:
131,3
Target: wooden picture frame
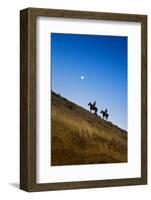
28,99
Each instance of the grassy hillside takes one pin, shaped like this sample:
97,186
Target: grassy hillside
80,137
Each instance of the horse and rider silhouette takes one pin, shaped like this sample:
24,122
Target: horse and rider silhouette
105,114
93,107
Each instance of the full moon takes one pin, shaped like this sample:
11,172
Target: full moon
82,77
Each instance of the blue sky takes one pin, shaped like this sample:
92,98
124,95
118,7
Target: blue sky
101,61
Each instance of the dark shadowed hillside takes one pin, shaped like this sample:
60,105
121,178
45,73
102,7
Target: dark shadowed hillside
80,137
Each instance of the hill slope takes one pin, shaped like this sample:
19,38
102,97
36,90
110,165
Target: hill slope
80,137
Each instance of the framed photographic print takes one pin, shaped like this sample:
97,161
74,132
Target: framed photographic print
83,99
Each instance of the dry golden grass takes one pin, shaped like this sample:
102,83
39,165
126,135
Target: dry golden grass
79,137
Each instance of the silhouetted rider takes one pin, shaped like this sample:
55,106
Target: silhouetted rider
94,104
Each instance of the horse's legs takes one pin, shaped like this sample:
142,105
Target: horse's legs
96,111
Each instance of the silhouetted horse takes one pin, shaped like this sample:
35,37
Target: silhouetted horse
104,114
92,107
